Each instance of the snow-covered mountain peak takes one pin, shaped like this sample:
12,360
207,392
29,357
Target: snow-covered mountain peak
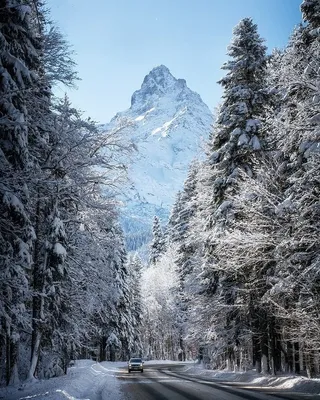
158,83
158,78
161,76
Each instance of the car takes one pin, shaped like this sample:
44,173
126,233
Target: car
135,364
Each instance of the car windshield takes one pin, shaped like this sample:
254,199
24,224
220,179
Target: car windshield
136,360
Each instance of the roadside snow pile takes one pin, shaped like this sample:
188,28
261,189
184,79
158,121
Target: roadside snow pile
151,362
284,382
223,375
86,380
293,382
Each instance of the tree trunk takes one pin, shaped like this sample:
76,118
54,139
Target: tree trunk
290,356
256,353
37,301
36,336
112,353
272,348
8,360
35,356
102,352
181,343
275,347
238,359
230,359
2,356
277,354
296,358
256,348
12,360
310,364
264,349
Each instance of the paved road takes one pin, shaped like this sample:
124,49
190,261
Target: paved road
166,382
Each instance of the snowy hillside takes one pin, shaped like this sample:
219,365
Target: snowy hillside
167,122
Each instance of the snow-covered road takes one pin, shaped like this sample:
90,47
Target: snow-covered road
160,381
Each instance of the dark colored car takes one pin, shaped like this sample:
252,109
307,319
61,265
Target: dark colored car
135,364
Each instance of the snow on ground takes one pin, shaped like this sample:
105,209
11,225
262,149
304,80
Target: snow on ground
252,379
152,362
87,380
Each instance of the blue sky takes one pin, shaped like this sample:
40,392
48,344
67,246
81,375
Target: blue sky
117,42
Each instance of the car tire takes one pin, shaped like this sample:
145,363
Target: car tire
129,371
141,370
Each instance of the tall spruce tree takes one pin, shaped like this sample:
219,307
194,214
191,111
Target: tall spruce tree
182,226
158,243
20,92
135,273
185,250
172,233
236,140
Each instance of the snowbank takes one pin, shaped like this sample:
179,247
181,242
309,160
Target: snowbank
252,379
86,380
152,362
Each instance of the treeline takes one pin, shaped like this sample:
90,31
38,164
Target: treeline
66,286
244,232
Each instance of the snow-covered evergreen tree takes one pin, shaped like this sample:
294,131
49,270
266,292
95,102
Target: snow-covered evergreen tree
238,131
20,67
182,225
157,245
172,233
135,272
237,138
181,235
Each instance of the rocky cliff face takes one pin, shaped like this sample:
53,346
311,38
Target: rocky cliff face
167,122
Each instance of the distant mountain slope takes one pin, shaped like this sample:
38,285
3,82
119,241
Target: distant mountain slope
167,122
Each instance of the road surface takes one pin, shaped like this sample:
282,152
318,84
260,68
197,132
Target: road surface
166,382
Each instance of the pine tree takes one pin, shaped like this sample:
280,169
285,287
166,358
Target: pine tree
124,327
182,226
135,272
238,133
236,143
20,68
158,243
185,249
172,233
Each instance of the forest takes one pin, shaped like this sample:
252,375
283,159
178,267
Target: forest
233,277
